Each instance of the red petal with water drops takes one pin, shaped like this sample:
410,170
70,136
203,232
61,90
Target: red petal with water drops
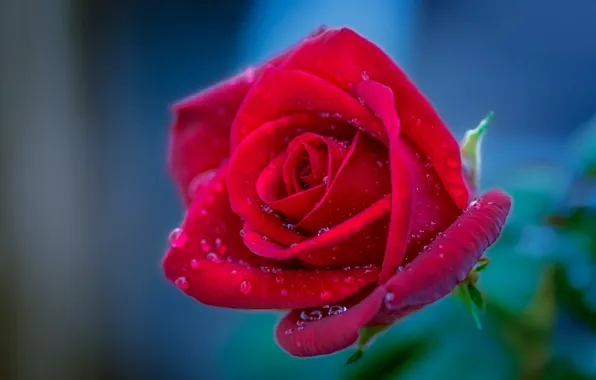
326,330
279,92
380,99
200,133
362,179
253,156
208,260
448,259
356,59
360,240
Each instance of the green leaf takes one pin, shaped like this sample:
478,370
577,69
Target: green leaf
470,150
462,292
476,296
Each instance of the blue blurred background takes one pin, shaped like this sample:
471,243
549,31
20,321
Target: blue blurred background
86,204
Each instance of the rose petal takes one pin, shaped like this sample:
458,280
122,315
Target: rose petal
303,333
252,157
209,261
380,99
278,93
362,179
448,260
358,241
200,133
355,59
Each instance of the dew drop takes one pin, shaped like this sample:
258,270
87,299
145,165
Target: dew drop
267,209
288,331
265,238
276,270
322,231
242,233
265,269
245,287
200,180
289,226
389,297
279,280
220,246
349,280
364,75
325,179
195,264
284,292
325,295
337,309
418,122
178,238
313,315
204,246
182,283
214,258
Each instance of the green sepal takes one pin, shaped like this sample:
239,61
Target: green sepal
366,335
470,150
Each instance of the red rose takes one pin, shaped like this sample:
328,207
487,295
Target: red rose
324,182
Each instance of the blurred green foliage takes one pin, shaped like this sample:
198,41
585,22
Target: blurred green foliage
536,299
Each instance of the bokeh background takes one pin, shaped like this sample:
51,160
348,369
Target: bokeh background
86,204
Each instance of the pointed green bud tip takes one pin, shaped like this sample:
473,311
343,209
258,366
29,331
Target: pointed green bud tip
470,149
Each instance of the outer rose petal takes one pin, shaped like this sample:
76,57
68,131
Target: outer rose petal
278,93
212,264
432,275
330,333
200,134
448,259
344,58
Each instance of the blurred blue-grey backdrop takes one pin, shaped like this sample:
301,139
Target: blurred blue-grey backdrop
87,204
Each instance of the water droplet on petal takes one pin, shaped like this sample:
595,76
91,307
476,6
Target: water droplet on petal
337,309
220,246
195,264
364,75
178,238
242,233
267,209
284,292
313,315
325,295
288,331
418,122
245,287
200,180
204,246
182,283
276,270
279,280
389,297
265,237
380,164
214,258
322,231
265,269
349,280
325,179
